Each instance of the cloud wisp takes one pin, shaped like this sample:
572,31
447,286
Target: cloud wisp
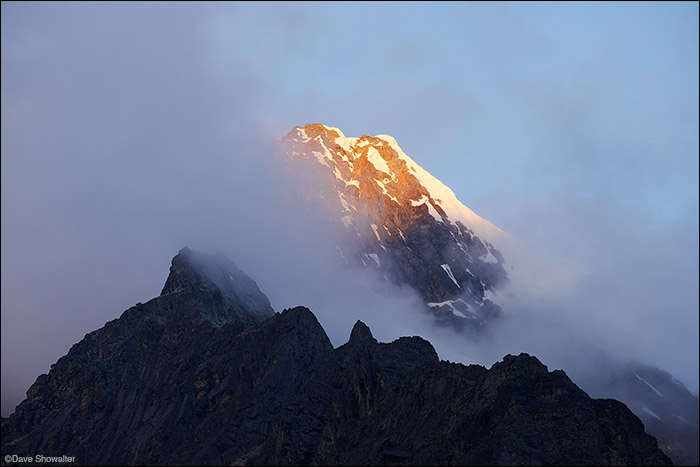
132,130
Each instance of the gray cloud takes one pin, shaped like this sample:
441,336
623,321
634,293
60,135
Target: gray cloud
116,147
130,131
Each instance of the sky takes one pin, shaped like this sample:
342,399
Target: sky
130,130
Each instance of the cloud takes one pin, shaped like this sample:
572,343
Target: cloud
119,146
610,280
132,130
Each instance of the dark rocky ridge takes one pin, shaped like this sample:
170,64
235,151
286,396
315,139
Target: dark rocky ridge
668,410
397,404
206,374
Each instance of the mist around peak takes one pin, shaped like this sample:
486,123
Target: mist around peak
121,146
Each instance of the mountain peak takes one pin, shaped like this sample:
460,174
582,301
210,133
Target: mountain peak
361,334
401,221
191,269
232,292
381,150
182,272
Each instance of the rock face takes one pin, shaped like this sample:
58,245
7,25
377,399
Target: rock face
665,406
216,288
396,404
134,390
401,221
207,374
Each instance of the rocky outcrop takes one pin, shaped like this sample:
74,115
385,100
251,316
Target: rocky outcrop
198,376
665,406
215,287
400,221
139,390
396,404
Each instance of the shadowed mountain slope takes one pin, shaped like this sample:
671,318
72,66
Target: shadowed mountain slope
208,374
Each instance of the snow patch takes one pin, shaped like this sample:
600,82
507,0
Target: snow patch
489,295
375,258
337,173
401,235
462,247
488,257
342,140
447,269
377,161
656,391
651,412
384,191
302,134
455,210
322,158
431,210
376,232
422,200
455,311
346,206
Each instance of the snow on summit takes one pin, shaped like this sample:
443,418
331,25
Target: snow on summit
402,220
379,150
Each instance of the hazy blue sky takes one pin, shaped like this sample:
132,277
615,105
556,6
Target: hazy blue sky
130,130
